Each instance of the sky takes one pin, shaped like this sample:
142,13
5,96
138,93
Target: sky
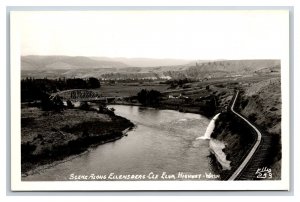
154,34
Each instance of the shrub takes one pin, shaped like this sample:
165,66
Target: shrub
252,117
84,106
70,104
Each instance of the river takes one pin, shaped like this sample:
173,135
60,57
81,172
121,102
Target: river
162,141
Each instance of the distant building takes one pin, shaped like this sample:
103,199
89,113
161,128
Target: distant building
175,96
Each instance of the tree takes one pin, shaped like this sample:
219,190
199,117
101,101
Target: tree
93,83
55,104
151,97
142,96
76,83
84,105
154,97
70,104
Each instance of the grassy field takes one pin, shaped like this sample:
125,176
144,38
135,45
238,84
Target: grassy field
197,87
125,89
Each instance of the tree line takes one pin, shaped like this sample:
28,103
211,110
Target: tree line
36,89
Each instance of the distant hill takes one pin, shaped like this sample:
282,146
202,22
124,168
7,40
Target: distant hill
231,68
107,68
33,62
146,62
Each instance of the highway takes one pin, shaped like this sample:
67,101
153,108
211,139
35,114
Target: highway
254,148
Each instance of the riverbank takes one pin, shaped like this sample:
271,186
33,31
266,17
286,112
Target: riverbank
162,141
238,139
183,108
52,136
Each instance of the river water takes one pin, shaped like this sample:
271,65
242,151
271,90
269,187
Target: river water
162,141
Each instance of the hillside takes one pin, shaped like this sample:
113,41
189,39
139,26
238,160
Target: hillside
230,68
34,62
262,105
83,67
146,62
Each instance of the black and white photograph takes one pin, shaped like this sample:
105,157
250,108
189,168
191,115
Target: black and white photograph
156,97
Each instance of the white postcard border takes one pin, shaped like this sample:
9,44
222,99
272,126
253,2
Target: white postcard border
18,185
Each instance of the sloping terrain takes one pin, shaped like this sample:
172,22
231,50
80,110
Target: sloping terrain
34,62
113,69
262,105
